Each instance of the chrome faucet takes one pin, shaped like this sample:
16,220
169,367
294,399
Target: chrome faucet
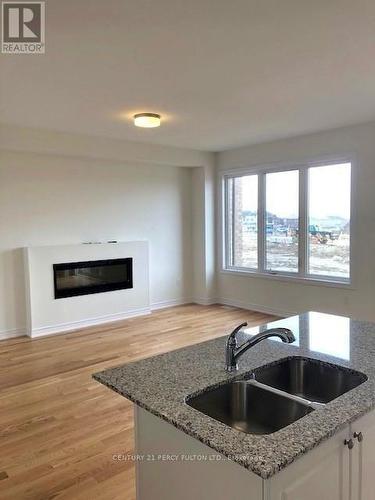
233,353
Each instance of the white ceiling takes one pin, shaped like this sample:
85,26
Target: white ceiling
223,73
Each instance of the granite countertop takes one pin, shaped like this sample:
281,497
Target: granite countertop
161,384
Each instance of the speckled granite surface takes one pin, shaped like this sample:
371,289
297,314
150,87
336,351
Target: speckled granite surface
161,384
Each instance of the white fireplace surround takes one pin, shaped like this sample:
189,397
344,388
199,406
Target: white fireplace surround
47,315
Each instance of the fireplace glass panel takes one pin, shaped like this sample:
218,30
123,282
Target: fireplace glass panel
81,278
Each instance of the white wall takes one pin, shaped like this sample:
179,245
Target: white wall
65,189
204,248
287,297
50,199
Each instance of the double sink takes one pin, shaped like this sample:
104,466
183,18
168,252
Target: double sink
276,395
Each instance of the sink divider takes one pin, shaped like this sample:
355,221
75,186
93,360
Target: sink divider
299,399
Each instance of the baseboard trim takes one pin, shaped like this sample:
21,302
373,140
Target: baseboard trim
76,325
255,307
12,333
204,301
170,303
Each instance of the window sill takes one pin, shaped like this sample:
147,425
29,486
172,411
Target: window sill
289,278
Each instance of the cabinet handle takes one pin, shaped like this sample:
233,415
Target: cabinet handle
358,436
349,443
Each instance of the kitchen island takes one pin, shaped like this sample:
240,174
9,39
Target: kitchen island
183,453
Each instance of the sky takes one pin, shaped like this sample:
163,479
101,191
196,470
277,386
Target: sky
328,195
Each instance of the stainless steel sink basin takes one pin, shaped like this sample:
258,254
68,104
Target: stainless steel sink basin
248,408
276,395
309,379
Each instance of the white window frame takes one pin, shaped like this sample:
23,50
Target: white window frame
302,275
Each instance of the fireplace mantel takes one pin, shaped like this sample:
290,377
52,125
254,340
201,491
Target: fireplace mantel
48,315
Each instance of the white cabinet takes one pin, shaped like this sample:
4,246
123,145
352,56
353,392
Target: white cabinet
173,465
363,458
333,470
322,474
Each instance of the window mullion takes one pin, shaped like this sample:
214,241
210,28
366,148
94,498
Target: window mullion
261,222
302,223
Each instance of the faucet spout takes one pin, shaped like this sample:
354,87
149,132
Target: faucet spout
233,353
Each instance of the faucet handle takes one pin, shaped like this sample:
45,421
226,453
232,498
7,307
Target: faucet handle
232,336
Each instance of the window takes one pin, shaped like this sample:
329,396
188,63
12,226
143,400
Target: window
291,222
243,196
282,209
329,220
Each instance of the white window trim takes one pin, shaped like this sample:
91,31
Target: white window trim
302,276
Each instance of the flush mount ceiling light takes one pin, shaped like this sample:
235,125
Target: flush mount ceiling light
147,120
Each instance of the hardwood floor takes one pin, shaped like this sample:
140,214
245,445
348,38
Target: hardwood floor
59,428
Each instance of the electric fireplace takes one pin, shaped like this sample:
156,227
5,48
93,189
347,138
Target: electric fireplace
83,278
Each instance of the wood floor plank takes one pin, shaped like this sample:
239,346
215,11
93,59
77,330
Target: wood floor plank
59,429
